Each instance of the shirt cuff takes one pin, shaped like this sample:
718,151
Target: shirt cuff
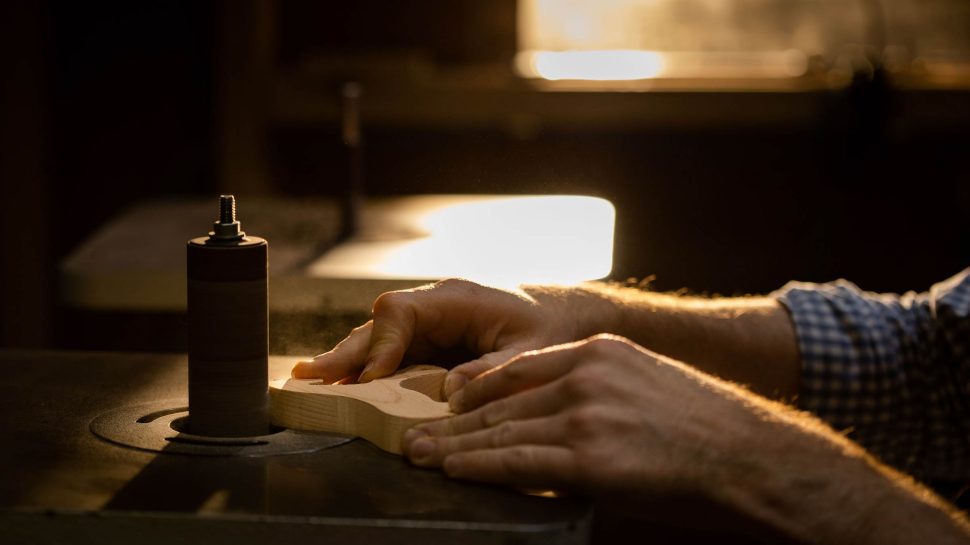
840,381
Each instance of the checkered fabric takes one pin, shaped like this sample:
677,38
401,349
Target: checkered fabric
893,371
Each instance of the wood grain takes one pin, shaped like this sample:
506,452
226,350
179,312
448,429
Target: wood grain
380,411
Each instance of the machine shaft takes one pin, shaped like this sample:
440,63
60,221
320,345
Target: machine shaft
228,331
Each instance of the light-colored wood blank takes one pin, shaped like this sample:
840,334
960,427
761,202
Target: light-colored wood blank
379,411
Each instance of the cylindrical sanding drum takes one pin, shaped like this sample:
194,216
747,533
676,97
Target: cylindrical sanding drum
227,315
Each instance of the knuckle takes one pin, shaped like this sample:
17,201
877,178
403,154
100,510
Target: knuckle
596,347
494,413
361,328
501,435
448,282
514,372
584,420
482,417
457,284
522,358
444,427
603,344
449,427
388,300
581,383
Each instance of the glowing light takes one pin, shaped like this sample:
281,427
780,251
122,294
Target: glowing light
500,241
616,40
602,65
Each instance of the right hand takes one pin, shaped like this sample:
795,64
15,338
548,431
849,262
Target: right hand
430,323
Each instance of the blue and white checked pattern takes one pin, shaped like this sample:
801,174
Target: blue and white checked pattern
891,370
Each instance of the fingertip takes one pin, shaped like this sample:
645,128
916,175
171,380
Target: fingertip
410,436
368,373
421,451
473,369
329,367
302,369
454,382
455,402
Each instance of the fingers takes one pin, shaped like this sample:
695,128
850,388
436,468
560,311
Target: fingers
437,314
523,466
513,427
394,323
523,443
525,371
543,401
376,348
345,360
421,323
461,374
431,451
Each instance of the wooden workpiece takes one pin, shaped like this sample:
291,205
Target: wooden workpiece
379,411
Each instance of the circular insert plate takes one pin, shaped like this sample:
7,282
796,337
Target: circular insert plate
157,427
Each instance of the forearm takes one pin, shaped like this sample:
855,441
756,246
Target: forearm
810,483
749,340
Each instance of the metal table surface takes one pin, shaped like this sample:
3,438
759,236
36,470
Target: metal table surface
60,483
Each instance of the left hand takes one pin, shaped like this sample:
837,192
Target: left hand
603,417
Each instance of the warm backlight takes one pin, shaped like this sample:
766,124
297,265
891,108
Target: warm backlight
500,241
622,40
605,65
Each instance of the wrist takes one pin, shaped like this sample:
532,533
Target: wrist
622,311
594,310
785,483
582,311
807,482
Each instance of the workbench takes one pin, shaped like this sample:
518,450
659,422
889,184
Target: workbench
59,483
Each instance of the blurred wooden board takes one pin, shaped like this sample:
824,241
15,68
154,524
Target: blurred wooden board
380,411
136,262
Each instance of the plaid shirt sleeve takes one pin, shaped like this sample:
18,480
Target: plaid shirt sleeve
893,371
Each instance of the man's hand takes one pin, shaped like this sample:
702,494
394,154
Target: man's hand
430,324
608,419
601,416
457,322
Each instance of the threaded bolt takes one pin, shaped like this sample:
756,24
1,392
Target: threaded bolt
226,229
227,208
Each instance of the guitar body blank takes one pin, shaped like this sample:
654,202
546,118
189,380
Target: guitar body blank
379,411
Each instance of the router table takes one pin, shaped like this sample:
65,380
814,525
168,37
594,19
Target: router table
60,483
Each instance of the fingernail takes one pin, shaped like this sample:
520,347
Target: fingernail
413,435
454,402
454,382
363,374
421,449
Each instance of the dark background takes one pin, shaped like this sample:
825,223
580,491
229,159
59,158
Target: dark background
108,104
